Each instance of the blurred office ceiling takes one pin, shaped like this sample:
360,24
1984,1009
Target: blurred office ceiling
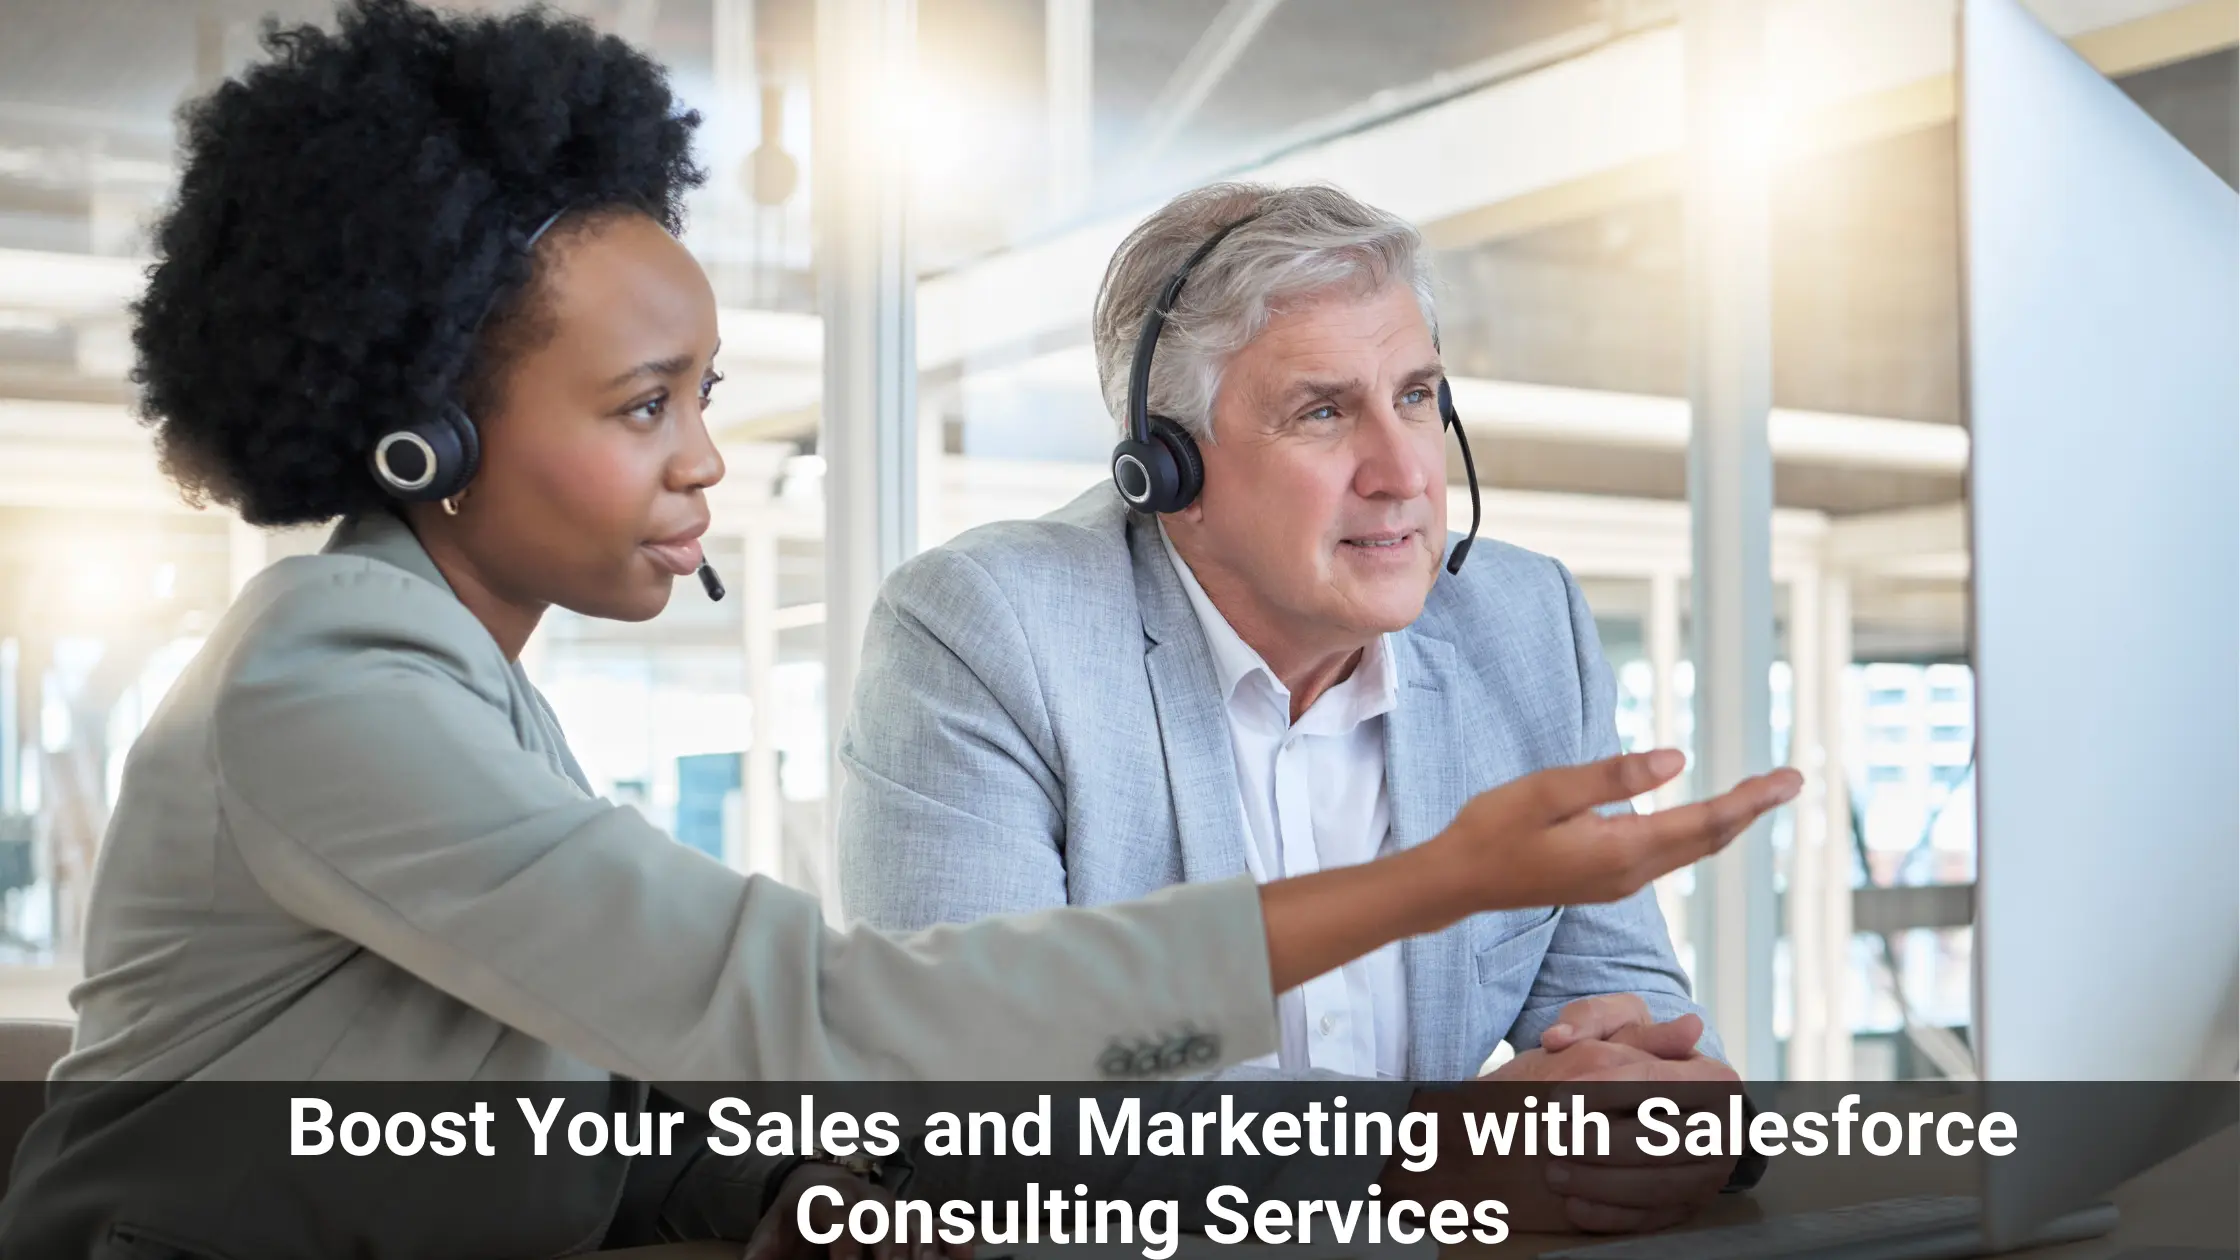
1560,265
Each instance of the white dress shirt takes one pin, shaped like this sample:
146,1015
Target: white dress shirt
1313,798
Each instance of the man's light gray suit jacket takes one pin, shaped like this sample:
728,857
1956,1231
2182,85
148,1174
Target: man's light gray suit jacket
1037,722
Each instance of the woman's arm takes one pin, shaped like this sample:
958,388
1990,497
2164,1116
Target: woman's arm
1537,841
373,782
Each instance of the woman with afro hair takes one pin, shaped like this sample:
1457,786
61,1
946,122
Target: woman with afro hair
421,278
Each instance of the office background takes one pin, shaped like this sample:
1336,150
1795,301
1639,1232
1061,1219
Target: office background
905,285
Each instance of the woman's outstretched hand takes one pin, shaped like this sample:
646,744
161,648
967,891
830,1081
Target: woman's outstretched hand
1539,840
1535,841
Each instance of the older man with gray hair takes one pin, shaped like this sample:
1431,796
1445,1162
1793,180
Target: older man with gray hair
1247,653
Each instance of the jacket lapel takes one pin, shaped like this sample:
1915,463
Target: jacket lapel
1193,724
1428,772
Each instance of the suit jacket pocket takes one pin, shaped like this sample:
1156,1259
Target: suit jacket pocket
1518,947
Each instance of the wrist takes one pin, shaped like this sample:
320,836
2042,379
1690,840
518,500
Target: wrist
1751,1167
1438,884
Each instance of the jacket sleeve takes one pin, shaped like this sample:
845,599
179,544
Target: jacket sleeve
369,772
950,808
1623,946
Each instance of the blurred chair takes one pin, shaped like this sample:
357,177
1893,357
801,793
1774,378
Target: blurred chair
28,1049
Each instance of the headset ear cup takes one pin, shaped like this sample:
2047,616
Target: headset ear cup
1448,417
1160,475
429,461
1189,465
470,451
1141,471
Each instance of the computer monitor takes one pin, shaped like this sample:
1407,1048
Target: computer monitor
2101,267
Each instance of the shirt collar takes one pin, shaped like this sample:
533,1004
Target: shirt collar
1371,690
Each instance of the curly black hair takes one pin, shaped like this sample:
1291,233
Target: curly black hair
345,253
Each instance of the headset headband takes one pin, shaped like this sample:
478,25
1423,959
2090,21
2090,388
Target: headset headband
1139,373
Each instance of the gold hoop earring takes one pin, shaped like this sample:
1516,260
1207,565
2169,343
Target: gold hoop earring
451,505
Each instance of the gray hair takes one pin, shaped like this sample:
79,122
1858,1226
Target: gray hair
1306,241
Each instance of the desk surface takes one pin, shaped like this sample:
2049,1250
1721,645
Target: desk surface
2186,1201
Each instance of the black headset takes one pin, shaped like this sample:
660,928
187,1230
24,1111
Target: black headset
431,460
436,458
1157,467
